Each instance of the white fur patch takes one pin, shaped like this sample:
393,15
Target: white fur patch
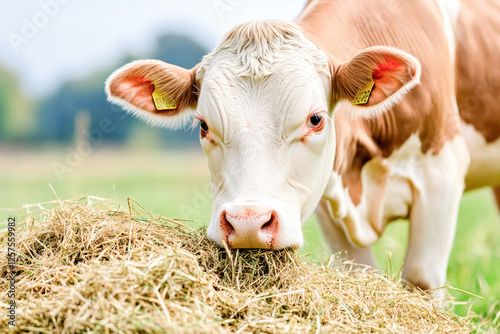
258,46
484,169
449,11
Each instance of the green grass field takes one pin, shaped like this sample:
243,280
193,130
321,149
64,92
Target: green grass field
177,185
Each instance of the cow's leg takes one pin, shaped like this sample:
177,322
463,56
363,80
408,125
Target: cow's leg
438,185
497,195
336,238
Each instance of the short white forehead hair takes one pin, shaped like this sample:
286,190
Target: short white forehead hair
254,48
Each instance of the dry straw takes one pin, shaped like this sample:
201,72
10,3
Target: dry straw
84,267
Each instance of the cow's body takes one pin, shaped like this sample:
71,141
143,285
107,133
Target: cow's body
390,165
282,133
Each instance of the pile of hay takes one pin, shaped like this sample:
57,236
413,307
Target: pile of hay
86,267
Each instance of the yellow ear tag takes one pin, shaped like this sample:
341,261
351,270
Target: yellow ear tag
363,94
162,102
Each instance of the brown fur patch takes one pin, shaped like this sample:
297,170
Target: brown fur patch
477,70
497,195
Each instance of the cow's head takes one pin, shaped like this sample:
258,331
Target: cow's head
264,100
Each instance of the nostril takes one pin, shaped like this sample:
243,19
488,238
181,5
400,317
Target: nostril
225,226
271,226
268,223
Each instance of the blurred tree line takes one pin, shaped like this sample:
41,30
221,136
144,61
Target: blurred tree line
17,113
52,119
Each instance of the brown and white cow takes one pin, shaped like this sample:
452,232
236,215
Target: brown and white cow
351,110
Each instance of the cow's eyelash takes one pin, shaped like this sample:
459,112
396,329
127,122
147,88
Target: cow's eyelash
202,123
197,121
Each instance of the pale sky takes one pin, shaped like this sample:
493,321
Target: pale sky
46,42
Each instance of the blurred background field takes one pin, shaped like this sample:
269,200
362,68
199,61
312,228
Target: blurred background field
52,101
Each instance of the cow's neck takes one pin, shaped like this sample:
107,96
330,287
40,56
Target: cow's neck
355,146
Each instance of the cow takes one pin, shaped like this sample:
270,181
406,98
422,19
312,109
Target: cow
351,110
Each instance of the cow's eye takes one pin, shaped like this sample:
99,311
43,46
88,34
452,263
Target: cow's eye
203,126
315,121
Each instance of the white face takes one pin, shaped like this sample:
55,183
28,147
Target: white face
270,143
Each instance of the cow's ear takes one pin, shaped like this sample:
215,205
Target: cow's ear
159,93
374,80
